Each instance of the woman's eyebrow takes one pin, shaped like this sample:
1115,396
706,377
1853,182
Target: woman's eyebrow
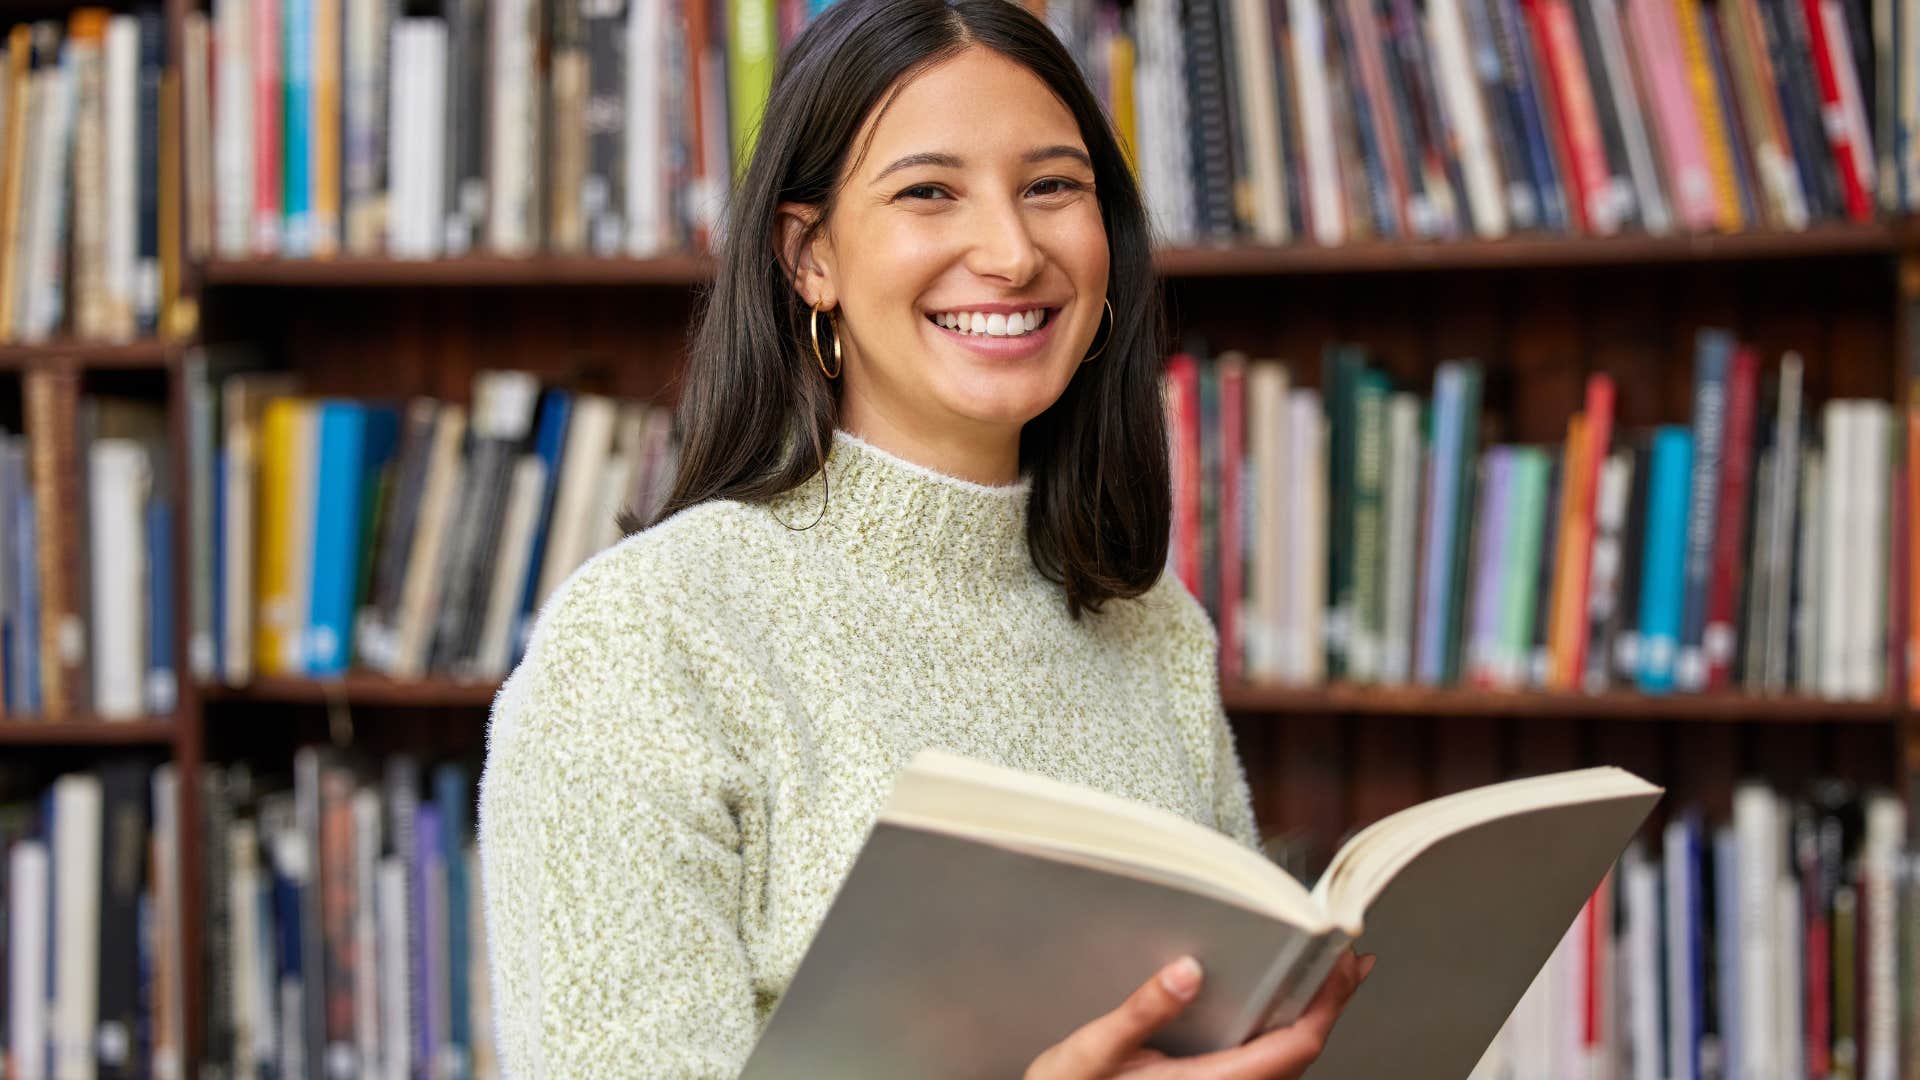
954,161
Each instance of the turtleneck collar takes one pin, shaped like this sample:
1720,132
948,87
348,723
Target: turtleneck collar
911,523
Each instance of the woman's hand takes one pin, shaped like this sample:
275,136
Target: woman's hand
1111,1045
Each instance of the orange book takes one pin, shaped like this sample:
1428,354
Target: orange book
1573,474
1913,546
1713,123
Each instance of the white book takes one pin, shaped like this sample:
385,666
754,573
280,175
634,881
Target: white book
1886,836
1789,1038
77,813
233,161
1164,152
482,1054
646,146
364,130
1253,75
426,555
302,474
1267,436
493,656
32,114
1836,513
119,479
1867,569
45,265
514,134
1303,643
122,223
1761,837
1466,117
589,441
366,930
1811,571
1325,197
88,166
1641,895
396,1060
243,970
29,943
1406,467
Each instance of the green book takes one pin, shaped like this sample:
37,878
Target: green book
1366,625
1526,526
752,45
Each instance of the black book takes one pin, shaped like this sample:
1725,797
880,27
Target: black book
1624,647
1509,137
1209,123
603,198
1791,52
153,62
1612,132
123,860
1291,166
465,187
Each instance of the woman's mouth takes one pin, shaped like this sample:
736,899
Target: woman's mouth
1017,335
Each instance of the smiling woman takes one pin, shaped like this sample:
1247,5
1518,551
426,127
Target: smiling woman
922,502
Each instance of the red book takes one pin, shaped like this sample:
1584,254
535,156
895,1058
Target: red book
1576,120
1183,426
1826,42
1719,639
1599,414
267,98
1233,449
1819,983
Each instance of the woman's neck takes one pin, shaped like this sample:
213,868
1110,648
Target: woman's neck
984,454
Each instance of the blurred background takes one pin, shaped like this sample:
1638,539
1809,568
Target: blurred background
1541,397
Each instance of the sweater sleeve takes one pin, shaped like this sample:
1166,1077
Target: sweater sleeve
610,850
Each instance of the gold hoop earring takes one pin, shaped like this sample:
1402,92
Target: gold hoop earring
1109,341
813,327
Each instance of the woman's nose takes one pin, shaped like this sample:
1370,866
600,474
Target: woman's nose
1003,246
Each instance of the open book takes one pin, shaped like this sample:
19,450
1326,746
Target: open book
992,912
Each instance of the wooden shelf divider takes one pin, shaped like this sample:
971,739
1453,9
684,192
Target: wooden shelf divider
86,731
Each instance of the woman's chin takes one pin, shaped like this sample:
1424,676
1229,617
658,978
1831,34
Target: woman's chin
1005,400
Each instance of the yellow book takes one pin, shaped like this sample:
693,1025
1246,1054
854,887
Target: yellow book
1713,123
14,167
326,128
272,580
1120,76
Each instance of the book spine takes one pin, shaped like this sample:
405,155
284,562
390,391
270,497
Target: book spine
1233,508
1826,47
1366,611
1730,532
1663,562
1713,352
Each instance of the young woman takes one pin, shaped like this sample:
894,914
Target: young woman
923,501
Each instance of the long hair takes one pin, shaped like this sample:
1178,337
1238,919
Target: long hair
756,413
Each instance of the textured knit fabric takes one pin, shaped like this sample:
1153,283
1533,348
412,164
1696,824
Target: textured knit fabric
710,714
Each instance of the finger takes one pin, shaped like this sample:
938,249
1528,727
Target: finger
1286,1052
1102,1045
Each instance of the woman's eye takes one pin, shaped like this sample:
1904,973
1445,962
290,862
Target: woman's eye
1057,184
920,191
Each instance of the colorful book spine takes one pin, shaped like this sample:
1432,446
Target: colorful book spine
1719,639
1713,355
296,181
1663,559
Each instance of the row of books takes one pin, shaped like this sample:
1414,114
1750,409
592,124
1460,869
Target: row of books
401,538
1368,536
86,561
80,176
1341,120
90,924
1781,942
344,931
511,126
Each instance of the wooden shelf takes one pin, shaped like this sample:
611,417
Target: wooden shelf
97,355
357,688
368,689
86,731
1523,252
1612,705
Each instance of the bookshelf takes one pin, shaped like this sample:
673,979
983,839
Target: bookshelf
1542,310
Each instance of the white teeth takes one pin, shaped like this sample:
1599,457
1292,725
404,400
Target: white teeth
995,325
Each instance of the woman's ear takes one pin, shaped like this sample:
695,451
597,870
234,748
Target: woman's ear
799,256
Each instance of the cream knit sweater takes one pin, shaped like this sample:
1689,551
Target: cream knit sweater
710,713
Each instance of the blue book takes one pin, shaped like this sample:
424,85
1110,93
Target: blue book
549,437
23,697
453,798
1525,81
296,177
163,687
1713,353
1680,865
1436,558
428,958
1663,558
336,533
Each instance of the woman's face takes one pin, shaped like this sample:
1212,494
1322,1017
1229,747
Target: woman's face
970,215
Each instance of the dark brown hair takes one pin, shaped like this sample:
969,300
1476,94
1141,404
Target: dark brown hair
757,414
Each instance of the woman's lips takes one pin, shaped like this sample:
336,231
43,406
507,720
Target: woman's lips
1002,348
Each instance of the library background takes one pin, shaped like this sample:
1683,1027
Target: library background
1543,396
